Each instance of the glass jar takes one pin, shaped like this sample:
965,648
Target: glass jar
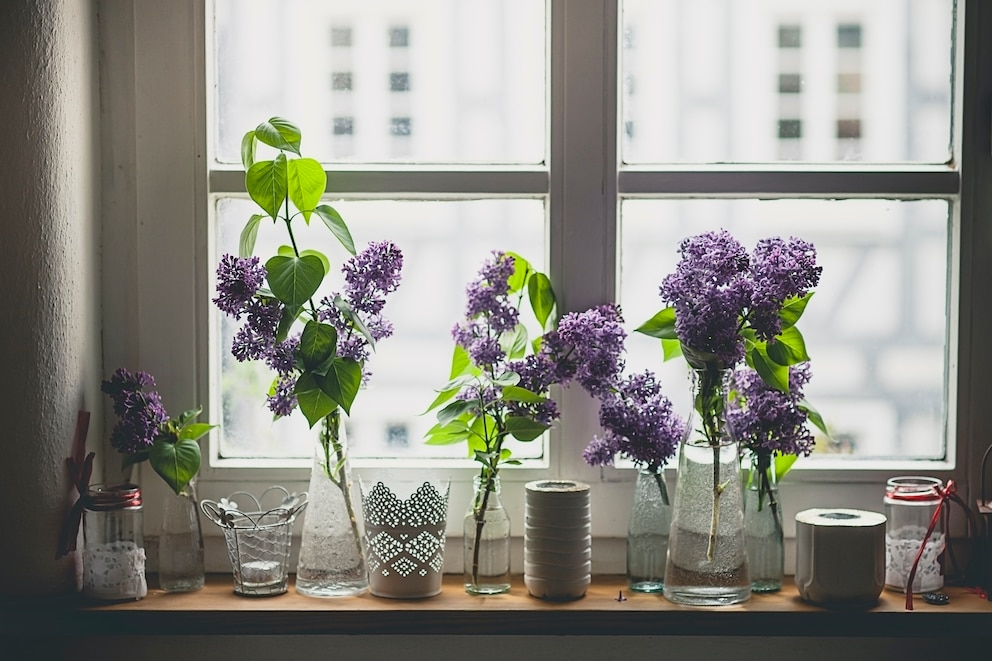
487,540
910,504
113,543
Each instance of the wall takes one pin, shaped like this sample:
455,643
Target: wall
49,272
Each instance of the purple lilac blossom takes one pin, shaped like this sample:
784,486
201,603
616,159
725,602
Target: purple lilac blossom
537,373
595,338
781,269
256,338
238,280
140,412
281,357
639,423
282,401
488,312
764,419
710,290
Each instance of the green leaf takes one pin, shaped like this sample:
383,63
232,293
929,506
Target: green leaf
514,342
246,245
307,180
279,133
661,325
484,433
353,319
793,309
317,343
188,416
670,349
788,348
266,184
523,428
813,416
442,397
775,375
342,381
460,362
294,280
336,224
521,271
248,150
289,315
194,431
326,263
454,432
312,400
177,463
783,462
518,394
453,411
542,297
507,378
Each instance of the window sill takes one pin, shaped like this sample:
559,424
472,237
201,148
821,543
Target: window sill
216,610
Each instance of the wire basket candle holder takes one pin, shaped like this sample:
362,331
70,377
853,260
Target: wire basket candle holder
258,541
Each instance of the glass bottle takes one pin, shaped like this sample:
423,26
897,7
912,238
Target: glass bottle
113,543
763,526
707,550
647,532
487,540
910,504
180,542
332,559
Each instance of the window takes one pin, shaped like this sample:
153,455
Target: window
502,164
399,82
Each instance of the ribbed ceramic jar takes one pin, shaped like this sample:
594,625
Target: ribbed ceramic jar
557,539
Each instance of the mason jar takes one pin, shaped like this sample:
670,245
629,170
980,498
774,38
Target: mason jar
910,505
113,543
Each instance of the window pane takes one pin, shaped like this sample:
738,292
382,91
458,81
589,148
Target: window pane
444,244
469,76
723,80
875,329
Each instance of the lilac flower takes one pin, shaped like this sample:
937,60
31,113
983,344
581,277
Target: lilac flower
238,280
596,339
766,420
140,412
282,401
537,373
257,337
488,313
281,356
639,423
781,269
371,275
710,290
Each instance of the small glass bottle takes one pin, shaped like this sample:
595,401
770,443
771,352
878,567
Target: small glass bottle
113,543
910,503
487,541
180,542
647,532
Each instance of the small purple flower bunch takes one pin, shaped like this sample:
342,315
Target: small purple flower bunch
766,420
144,430
340,332
639,424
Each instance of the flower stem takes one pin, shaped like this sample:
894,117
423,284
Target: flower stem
330,439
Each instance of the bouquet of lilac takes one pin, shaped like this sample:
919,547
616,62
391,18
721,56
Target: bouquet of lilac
725,307
499,382
144,430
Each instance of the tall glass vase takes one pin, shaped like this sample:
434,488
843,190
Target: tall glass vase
763,526
707,552
180,542
487,540
332,559
647,533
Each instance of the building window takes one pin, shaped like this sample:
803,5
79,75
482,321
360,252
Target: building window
399,126
848,129
344,126
399,82
341,82
790,36
789,83
849,35
341,37
790,129
399,37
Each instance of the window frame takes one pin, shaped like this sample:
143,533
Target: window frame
157,184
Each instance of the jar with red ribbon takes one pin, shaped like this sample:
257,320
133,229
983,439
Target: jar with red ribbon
912,505
113,543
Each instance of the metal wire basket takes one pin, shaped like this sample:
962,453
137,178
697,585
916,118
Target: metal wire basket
258,541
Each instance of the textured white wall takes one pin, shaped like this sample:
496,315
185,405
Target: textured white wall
50,362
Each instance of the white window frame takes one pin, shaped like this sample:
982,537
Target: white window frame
155,248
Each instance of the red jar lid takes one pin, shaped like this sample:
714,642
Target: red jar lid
105,497
913,488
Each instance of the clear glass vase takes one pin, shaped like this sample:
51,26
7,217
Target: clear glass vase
647,533
707,549
487,540
763,526
332,559
180,542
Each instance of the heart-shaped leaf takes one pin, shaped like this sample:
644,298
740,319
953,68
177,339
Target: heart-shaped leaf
177,463
306,180
294,280
266,184
279,133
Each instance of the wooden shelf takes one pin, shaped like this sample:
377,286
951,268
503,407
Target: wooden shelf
216,610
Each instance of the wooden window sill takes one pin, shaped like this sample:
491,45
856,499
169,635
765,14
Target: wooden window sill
216,610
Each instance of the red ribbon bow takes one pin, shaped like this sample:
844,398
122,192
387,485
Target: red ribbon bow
80,470
948,492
